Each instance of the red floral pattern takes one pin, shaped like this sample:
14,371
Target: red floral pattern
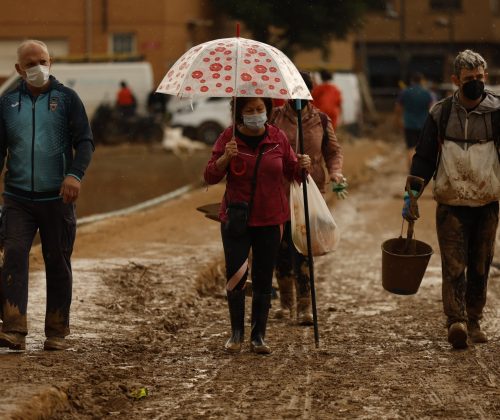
250,68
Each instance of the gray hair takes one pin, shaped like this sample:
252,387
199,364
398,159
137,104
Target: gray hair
469,60
29,42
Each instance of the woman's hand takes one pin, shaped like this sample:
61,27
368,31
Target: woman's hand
339,185
337,178
231,149
304,161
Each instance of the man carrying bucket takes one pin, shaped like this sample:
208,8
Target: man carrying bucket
459,149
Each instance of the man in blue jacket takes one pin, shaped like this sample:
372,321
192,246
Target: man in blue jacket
46,143
412,108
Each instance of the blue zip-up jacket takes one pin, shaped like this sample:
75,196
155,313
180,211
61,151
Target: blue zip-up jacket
38,135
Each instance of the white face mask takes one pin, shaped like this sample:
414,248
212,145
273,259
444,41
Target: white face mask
38,75
255,121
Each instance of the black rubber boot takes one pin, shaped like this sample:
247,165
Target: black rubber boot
260,310
236,303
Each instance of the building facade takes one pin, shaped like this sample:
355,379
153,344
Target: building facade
400,38
424,36
158,31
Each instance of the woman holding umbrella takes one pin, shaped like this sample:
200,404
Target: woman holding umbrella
255,157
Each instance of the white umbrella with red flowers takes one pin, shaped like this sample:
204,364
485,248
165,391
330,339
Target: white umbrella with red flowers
234,67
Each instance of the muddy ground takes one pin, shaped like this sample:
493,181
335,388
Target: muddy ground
149,314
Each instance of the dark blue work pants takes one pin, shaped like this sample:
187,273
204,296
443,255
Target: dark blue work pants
56,223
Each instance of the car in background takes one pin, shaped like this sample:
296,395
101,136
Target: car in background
202,118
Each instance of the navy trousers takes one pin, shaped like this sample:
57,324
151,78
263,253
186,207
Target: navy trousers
56,223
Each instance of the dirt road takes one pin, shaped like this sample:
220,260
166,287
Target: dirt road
149,313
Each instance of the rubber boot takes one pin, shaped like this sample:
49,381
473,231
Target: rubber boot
304,311
236,304
286,297
260,311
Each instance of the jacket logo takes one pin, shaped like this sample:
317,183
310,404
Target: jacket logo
14,105
53,104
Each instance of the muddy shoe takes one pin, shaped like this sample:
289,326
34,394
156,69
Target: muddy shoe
55,343
457,335
282,313
305,318
475,333
232,346
13,341
259,346
304,311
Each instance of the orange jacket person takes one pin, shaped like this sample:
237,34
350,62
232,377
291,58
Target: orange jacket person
328,98
125,100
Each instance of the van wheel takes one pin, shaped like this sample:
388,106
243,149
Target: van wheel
208,132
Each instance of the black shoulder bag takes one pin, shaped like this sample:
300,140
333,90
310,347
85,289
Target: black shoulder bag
238,212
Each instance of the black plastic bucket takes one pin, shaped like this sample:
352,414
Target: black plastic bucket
404,264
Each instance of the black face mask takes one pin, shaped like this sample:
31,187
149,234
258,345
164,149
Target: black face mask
473,90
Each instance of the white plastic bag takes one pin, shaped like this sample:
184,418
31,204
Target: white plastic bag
325,234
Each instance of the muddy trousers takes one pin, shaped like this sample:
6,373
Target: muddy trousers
292,266
264,242
466,240
56,223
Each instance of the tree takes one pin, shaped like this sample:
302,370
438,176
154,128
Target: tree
292,25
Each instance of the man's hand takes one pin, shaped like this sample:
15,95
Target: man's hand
410,207
70,189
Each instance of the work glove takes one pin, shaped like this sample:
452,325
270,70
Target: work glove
340,188
410,208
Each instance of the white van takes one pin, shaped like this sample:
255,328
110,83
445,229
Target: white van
98,83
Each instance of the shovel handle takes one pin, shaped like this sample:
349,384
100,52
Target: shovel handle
409,232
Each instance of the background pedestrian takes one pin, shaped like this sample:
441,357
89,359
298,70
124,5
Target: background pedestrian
125,101
321,144
328,98
411,110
